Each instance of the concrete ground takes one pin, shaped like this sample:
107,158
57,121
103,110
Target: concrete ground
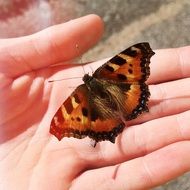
163,23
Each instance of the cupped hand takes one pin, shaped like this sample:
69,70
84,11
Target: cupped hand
152,149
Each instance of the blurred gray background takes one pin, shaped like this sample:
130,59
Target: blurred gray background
163,23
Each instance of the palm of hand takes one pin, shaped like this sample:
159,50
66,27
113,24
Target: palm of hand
32,159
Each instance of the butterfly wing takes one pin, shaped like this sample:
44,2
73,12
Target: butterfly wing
71,118
129,70
131,65
78,117
91,113
135,101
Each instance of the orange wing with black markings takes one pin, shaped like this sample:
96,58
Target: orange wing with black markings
115,93
76,119
136,101
131,65
71,119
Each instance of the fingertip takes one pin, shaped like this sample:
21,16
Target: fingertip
58,43
83,33
176,60
92,27
99,25
98,22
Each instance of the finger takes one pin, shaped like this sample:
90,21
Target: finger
143,139
52,45
139,140
170,64
142,173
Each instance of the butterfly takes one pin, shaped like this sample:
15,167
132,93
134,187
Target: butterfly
115,93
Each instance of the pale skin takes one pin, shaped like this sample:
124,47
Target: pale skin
152,149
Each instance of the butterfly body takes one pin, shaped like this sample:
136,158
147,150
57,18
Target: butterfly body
106,97
115,93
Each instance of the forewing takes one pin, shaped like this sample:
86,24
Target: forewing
71,119
131,65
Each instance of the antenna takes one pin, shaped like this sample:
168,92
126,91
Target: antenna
77,47
91,69
64,79
80,56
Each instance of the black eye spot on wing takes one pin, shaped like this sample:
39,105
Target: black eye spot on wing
117,60
130,71
77,100
130,52
124,86
84,112
121,77
109,68
68,105
94,115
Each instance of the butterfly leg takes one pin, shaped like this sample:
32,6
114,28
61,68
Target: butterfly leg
93,143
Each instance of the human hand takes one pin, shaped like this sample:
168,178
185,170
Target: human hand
31,158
